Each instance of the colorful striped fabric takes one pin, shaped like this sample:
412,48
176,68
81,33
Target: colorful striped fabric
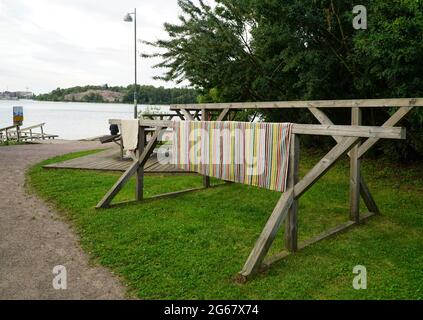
250,153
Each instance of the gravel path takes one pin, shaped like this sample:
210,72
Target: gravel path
33,239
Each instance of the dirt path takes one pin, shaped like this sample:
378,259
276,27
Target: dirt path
33,239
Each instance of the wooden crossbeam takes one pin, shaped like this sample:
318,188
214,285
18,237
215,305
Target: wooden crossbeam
362,103
314,129
350,131
33,127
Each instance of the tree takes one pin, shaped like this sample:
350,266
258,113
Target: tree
255,50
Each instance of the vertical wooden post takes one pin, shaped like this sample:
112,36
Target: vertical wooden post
42,133
121,143
18,132
355,171
139,177
205,117
291,224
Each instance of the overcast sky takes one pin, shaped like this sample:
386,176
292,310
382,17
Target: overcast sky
45,44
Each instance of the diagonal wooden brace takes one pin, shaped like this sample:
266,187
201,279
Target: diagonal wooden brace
124,178
223,114
364,190
180,115
187,115
343,146
197,115
263,243
255,259
392,121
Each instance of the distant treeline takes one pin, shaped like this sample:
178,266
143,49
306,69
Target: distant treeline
146,94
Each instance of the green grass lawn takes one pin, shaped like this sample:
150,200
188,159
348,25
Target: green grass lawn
192,246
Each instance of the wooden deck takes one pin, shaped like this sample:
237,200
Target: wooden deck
109,160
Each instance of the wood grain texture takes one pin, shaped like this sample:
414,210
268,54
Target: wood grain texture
355,171
324,165
322,236
139,177
187,115
291,224
205,117
393,120
263,243
364,190
362,103
313,129
108,197
223,114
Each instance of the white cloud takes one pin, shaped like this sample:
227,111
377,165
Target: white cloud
46,44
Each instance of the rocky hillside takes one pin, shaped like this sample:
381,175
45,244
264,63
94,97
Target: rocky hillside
95,96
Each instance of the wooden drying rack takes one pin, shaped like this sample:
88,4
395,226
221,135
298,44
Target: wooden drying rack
348,141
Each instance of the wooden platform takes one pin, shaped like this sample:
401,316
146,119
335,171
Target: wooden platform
109,160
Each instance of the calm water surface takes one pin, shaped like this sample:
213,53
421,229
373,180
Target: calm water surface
69,120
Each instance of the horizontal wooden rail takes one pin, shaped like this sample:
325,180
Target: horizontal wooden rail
33,127
324,235
314,129
8,128
362,103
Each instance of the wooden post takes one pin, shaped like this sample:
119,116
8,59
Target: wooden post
42,133
139,185
121,144
108,197
206,179
355,171
367,197
291,225
18,134
364,190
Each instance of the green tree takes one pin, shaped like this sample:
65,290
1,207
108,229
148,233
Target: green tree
261,50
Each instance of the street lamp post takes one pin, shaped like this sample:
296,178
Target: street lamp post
128,18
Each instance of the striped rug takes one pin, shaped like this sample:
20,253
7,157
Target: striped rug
250,153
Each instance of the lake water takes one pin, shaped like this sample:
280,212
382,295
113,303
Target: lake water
69,120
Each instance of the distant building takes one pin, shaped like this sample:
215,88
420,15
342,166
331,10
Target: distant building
15,95
25,94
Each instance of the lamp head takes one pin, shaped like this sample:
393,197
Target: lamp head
127,18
